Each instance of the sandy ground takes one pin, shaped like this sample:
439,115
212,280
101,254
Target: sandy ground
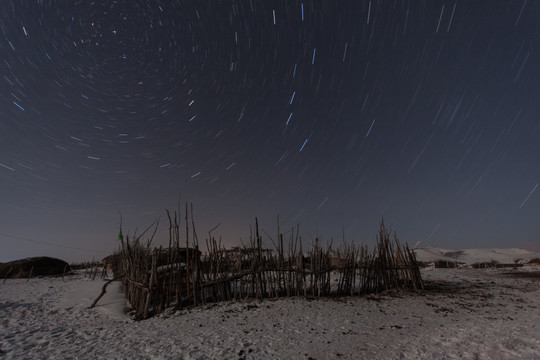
463,314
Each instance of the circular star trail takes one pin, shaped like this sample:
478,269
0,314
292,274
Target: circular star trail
330,114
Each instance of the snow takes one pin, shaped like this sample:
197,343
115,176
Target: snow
464,313
472,256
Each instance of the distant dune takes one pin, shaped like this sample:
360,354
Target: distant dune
473,256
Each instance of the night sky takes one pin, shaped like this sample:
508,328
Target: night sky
330,113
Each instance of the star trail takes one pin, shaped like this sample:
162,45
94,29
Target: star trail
331,114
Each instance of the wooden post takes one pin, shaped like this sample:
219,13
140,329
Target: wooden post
150,285
9,271
29,276
64,273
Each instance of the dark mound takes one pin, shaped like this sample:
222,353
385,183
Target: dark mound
38,266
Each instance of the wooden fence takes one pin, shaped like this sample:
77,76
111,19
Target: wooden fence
178,276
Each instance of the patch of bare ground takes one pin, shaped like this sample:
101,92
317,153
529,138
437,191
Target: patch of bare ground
534,275
443,287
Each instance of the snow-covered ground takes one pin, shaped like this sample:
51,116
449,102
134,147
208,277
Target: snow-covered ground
465,313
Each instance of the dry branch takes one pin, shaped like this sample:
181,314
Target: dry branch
103,291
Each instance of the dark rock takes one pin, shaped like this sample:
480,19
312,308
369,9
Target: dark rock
37,266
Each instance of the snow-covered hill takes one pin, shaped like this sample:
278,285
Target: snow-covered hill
472,256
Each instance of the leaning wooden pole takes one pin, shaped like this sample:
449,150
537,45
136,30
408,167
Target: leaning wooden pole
150,286
103,291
